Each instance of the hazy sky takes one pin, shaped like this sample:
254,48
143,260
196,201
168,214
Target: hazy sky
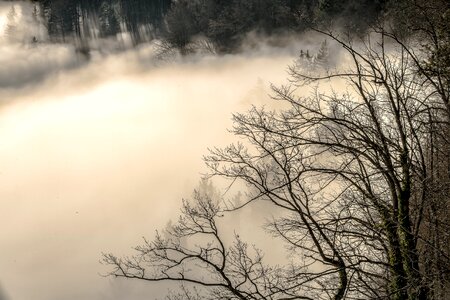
95,155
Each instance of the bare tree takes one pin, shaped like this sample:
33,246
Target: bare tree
353,169
427,43
352,173
192,252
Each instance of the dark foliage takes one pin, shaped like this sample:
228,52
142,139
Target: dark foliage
224,23
79,18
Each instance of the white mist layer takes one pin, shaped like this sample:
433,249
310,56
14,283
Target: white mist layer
96,157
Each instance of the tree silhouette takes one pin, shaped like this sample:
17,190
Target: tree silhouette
351,173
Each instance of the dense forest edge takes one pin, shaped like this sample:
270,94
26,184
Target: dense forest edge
220,25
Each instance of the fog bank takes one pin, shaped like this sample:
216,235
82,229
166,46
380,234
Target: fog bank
96,154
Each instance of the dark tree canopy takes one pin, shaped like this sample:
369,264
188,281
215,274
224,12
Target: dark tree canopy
80,18
224,23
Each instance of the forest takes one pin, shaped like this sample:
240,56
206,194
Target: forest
224,23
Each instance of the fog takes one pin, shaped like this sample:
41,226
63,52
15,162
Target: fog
96,154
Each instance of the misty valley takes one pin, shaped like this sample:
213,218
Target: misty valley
209,149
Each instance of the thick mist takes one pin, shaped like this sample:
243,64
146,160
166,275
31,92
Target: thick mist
97,153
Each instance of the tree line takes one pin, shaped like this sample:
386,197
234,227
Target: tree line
223,23
86,19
